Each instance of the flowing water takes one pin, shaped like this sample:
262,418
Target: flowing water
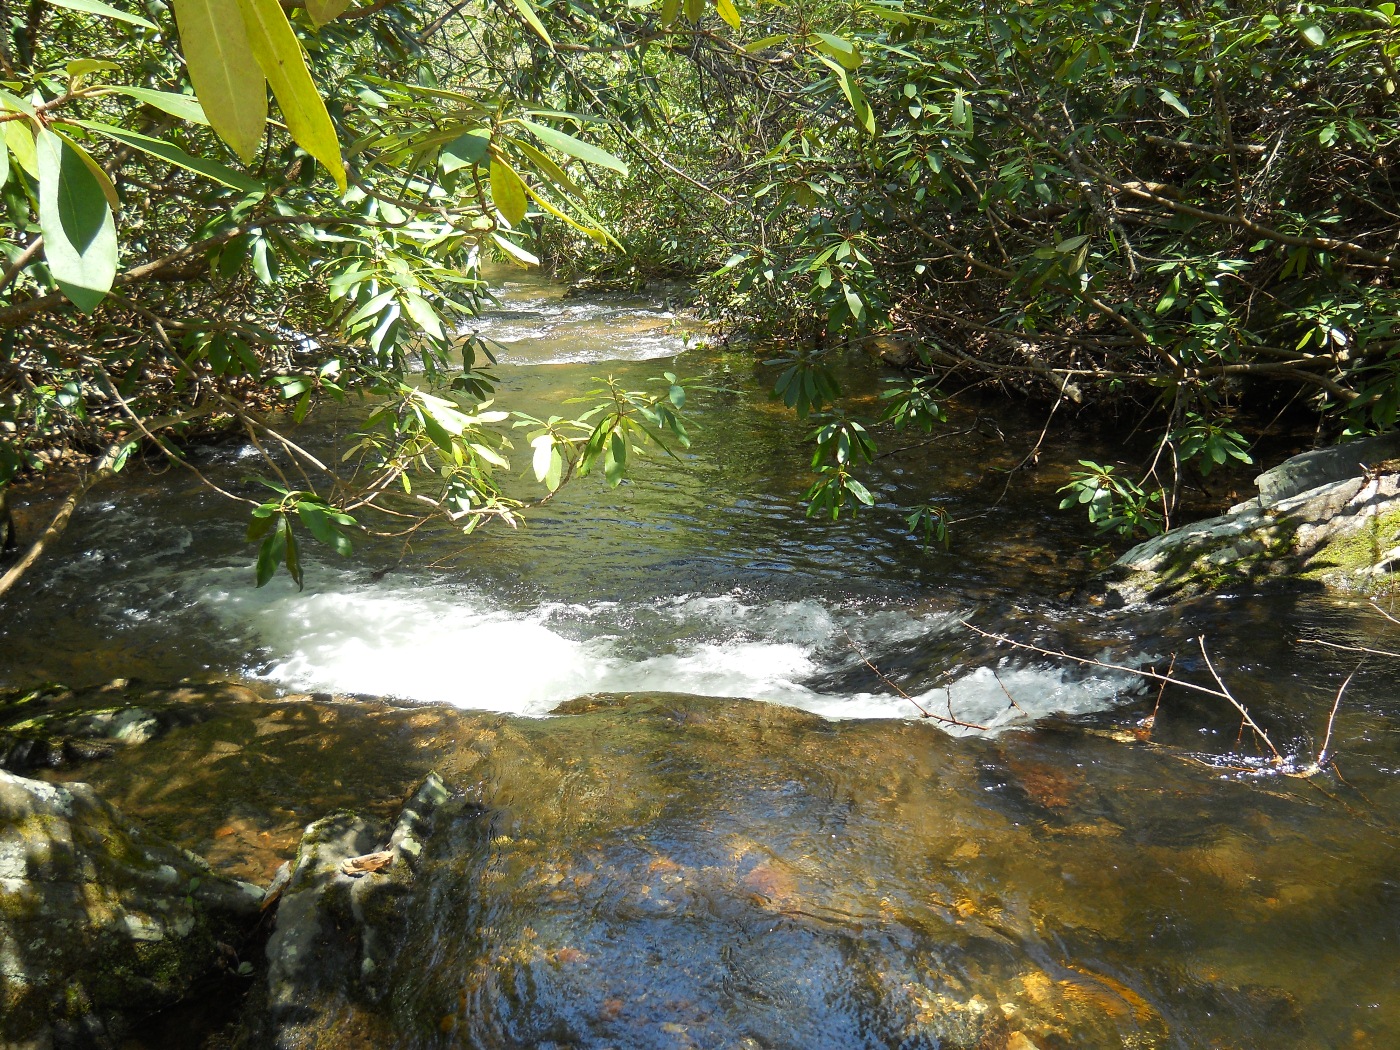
1065,872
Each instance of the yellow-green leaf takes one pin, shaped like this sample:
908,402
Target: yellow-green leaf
226,77
584,151
764,44
172,154
323,11
865,116
694,10
669,10
21,142
527,12
727,11
96,7
279,53
424,316
508,191
517,253
81,67
600,236
80,234
186,107
839,48
548,167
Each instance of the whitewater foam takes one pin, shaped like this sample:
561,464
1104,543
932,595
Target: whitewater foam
436,644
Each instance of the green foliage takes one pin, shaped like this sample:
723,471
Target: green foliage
1114,503
176,259
1187,211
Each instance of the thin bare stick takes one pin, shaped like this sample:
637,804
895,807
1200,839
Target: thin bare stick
1244,713
146,432
1327,738
1349,648
1150,722
1085,661
1007,691
924,712
1387,615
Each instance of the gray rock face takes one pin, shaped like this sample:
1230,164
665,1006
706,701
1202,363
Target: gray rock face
335,932
99,923
1344,535
1324,466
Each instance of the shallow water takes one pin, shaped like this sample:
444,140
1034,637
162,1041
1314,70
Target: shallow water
1140,887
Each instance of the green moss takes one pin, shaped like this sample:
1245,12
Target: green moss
1362,549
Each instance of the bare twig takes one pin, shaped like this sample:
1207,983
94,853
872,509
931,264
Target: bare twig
924,712
1278,762
1327,738
1349,648
1387,615
1254,726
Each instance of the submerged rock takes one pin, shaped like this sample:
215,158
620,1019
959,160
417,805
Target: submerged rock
1342,533
669,871
54,727
100,924
667,887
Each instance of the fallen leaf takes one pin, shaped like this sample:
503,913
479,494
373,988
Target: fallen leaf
363,865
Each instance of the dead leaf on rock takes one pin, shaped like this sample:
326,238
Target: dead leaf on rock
369,862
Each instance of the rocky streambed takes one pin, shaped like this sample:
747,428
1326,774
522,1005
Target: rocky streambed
662,871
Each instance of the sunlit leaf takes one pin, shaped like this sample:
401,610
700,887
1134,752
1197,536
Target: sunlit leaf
172,154
81,67
514,250
527,12
508,192
97,7
323,11
584,151
186,107
80,234
231,87
20,140
279,53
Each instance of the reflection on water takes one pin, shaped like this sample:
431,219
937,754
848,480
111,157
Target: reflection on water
675,872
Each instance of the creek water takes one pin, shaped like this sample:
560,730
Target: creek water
864,878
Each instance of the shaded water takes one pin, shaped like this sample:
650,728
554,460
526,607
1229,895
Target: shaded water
714,873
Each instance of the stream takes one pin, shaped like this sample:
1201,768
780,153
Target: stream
744,834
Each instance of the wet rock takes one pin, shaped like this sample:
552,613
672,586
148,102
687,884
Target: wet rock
1343,535
53,728
328,954
100,924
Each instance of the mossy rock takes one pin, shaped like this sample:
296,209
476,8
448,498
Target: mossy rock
100,924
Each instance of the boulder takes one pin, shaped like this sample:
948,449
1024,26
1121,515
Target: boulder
1323,466
1342,535
337,923
100,924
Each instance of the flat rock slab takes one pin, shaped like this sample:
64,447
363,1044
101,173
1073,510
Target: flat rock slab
1342,535
1324,466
